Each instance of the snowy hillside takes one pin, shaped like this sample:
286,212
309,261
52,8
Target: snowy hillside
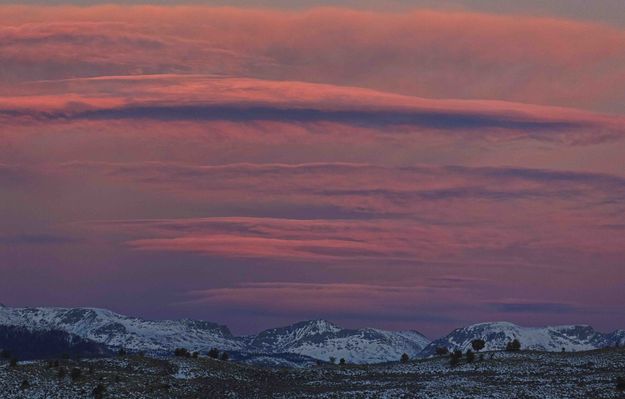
321,339
115,330
498,334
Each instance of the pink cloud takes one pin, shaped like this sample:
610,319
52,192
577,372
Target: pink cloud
424,53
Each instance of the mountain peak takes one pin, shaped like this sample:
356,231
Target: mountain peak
319,326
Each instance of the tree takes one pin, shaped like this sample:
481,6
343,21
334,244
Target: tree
62,373
99,391
405,358
195,355
513,346
225,356
442,351
478,344
13,362
213,353
5,354
470,356
342,362
332,359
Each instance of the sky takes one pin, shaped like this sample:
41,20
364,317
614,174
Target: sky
402,165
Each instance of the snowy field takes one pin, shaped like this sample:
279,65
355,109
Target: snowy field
590,374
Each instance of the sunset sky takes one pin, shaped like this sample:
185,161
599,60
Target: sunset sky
394,164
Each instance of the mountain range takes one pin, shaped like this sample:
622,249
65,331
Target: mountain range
98,331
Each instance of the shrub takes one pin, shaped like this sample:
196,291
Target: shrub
478,344
25,384
342,362
620,384
62,372
122,352
225,356
75,374
195,355
99,391
213,353
442,351
470,356
182,352
405,358
332,359
13,362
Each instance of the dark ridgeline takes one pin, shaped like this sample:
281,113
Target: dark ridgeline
25,344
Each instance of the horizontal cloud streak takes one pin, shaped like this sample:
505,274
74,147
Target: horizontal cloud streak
320,108
425,53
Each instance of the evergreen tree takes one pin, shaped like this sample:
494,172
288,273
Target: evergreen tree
442,351
513,346
213,353
478,344
99,391
75,374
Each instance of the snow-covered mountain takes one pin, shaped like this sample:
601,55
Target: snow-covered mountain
321,339
551,339
312,339
298,343
118,331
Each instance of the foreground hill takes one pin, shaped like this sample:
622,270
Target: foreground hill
527,375
550,339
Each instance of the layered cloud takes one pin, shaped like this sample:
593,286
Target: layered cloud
423,53
431,167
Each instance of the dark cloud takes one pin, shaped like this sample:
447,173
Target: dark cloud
363,118
546,307
37,239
